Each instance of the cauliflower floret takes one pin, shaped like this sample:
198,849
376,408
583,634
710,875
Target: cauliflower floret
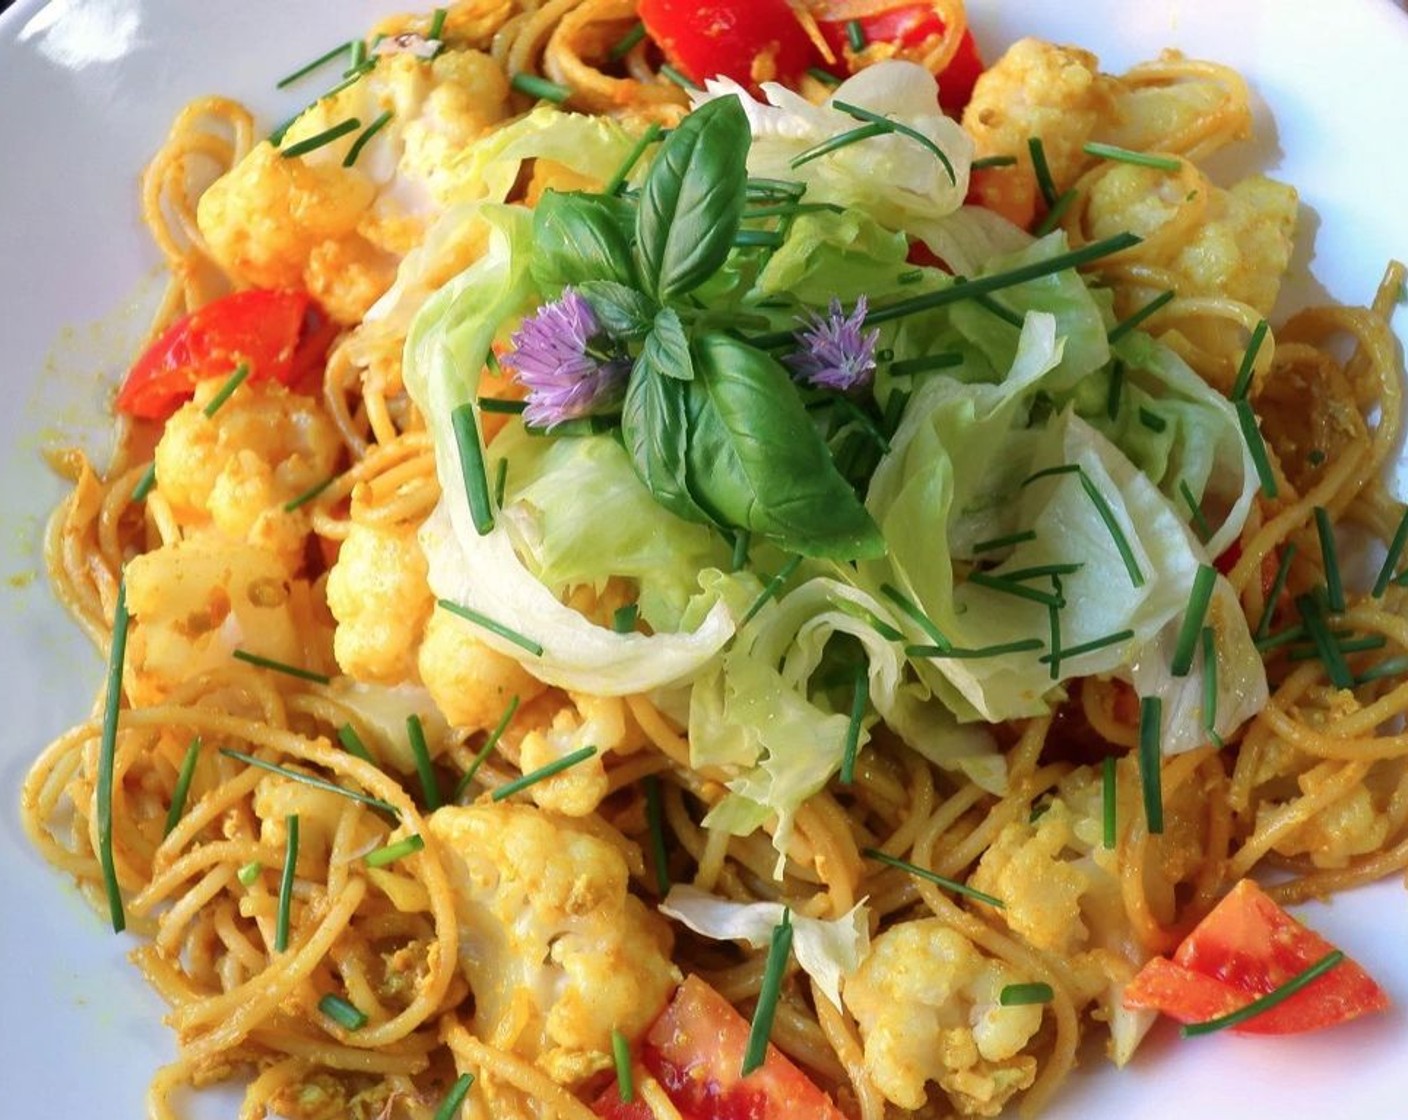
194,602
234,471
591,721
317,810
926,1002
378,594
556,950
340,232
471,683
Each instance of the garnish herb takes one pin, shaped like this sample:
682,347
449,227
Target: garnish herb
107,751
1018,590
308,495
910,276
1243,381
837,142
144,484
825,77
926,364
1109,798
1347,645
352,743
1268,1001
489,744
871,117
993,161
318,140
429,786
533,777
346,1015
1053,617
1195,511
761,1028
1198,601
623,619
623,45
493,627
249,873
437,24
1313,619
1391,558
183,786
1116,390
742,540
311,780
932,877
1018,995
770,589
286,884
855,35
226,391
1210,685
1151,711
992,307
500,481
365,138
450,1106
1281,638
1094,644
911,608
1334,584
1152,420
1044,182
356,57
1056,213
860,699
280,667
471,456
1124,155
973,654
1107,515
1041,571
541,88
621,1055
317,63
655,821
1278,585
1050,472
1002,542
390,853
1389,667
681,79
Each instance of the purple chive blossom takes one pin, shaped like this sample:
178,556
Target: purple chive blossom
833,352
554,359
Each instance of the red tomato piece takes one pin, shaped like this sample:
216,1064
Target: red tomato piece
1246,948
695,1050
750,42
282,334
909,27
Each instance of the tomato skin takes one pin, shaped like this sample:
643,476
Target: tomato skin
709,38
283,334
909,27
1246,948
695,1050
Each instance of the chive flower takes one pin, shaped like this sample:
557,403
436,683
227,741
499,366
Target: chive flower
556,356
833,352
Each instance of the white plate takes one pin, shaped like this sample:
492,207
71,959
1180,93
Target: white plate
87,88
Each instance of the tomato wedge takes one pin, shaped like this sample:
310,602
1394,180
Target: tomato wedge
752,42
282,334
910,27
1247,947
695,1050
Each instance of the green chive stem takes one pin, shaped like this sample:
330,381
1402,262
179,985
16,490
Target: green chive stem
655,821
489,744
144,484
627,41
993,161
679,77
308,495
928,363
493,627
471,456
1109,797
437,24
623,619
280,667
1278,585
1116,390
825,77
618,180
1391,558
1151,419
500,482
1334,584
871,117
1037,150
855,35
1268,1001
1017,590
319,62
1094,644
621,1055
183,786
760,1031
1243,381
346,1015
932,877
227,390
742,541
327,136
365,138
1002,542
533,777
976,653
390,853
1210,685
1107,515
1313,619
311,780
1057,212
839,141
912,609
1151,710
1019,995
1053,618
352,743
771,589
286,884
534,86
1041,571
1256,445
506,408
107,755
425,769
1125,155
450,1106
1050,472
1195,511
1198,601
860,700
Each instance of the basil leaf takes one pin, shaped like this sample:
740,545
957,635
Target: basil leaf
692,199
580,237
655,428
667,346
755,460
622,312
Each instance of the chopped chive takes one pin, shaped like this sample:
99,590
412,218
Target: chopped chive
496,404
286,884
655,821
1017,590
623,45
1278,585
1056,213
1151,711
1109,803
1315,458
618,180
1347,645
679,77
107,752
895,405
1268,1001
352,743
317,63
623,619
144,484
932,876
534,86
911,276
365,138
1044,182
855,35
489,744
992,307
500,481
1041,571
1243,381
227,390
471,456
1107,515
771,589
742,539
621,1055
926,364
455,1097
1198,601
425,769
183,786
993,161
1020,995
1334,584
437,24
311,780
1152,420
493,627
839,141
390,853
277,136
1094,644
912,609
356,57
754,238
1051,472
760,1030
790,209
954,653
308,495
1002,542
1053,618
1116,390
1039,810
249,873
1124,155
1195,511
1313,618
1281,638
871,117
1210,685
346,1015
533,777
860,699
825,77
280,667
785,188
327,136
1391,558
1389,667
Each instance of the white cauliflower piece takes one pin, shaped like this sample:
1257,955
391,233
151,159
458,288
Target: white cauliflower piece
378,594
926,1002
555,948
234,471
470,682
590,721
